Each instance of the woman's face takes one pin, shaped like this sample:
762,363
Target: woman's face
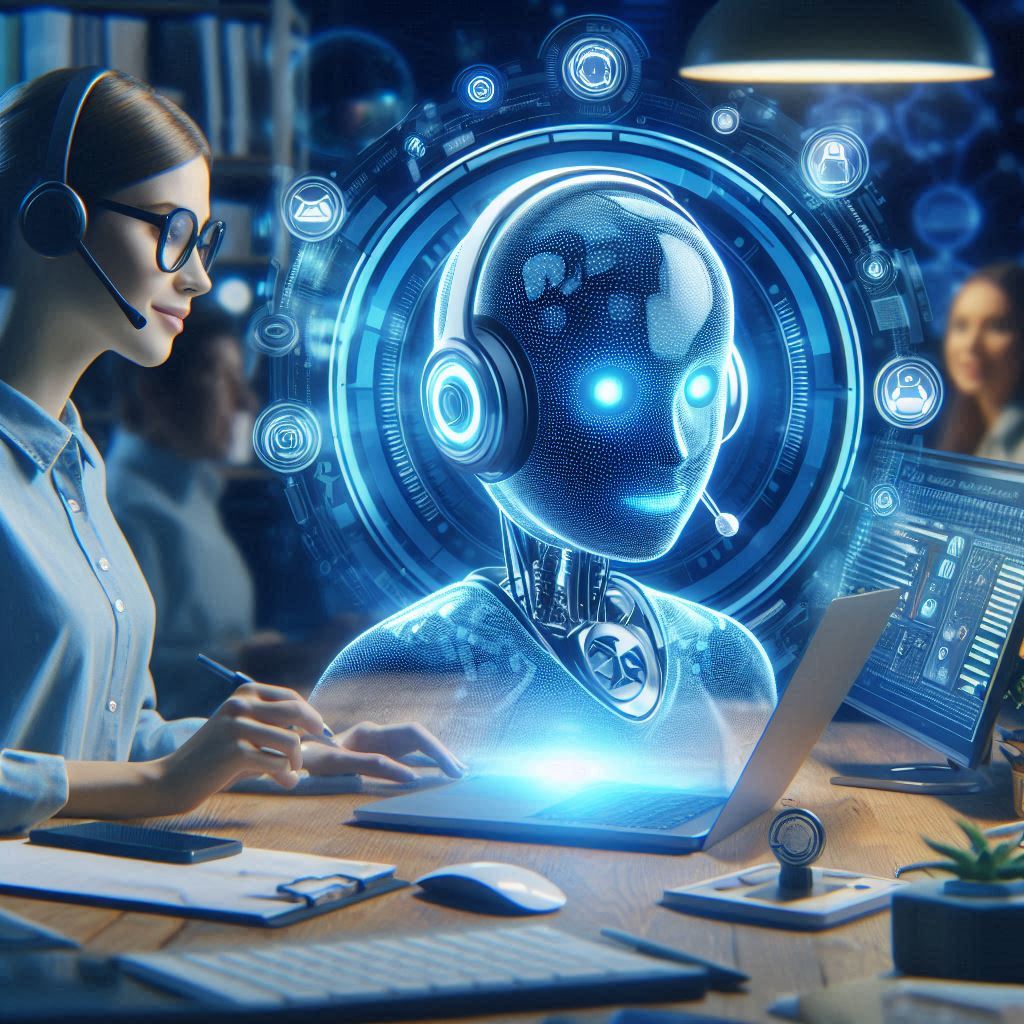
983,347
126,250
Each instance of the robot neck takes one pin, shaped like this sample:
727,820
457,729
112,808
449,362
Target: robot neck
558,588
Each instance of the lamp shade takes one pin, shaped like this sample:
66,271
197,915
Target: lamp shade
837,41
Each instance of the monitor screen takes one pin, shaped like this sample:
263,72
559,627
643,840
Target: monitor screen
949,531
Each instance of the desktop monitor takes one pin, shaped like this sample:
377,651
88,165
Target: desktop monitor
949,531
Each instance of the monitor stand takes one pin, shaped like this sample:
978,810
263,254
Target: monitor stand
935,779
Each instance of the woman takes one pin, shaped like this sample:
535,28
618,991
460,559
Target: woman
984,355
78,723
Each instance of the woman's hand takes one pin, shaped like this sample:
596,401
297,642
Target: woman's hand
239,739
372,749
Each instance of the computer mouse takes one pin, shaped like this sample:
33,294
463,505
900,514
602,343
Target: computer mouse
489,886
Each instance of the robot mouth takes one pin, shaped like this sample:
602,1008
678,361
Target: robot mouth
656,503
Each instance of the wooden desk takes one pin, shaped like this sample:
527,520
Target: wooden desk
869,831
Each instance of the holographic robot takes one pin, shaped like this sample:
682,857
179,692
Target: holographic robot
582,332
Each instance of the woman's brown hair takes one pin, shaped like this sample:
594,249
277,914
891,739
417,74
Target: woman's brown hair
126,133
963,426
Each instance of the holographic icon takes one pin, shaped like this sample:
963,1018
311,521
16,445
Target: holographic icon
313,208
834,162
594,68
885,500
908,392
725,119
274,334
480,87
929,608
876,268
947,569
415,147
955,547
287,437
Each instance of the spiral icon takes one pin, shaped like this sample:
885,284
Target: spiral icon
287,437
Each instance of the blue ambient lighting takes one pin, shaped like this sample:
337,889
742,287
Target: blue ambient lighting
608,392
700,387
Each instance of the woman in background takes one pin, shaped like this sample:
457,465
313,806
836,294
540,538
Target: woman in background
984,357
79,729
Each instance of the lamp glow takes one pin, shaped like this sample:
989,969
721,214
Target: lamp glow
608,392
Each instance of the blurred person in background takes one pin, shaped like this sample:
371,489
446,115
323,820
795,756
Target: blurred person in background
983,352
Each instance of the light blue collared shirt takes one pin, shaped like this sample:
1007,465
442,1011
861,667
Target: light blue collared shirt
167,507
76,618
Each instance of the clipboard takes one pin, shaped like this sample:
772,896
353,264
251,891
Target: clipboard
265,888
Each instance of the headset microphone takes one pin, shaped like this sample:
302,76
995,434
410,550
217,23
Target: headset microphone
725,522
52,214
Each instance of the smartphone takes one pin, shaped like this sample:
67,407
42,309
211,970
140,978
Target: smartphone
135,841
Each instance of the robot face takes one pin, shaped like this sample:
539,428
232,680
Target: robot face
624,313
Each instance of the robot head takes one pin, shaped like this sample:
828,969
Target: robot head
582,333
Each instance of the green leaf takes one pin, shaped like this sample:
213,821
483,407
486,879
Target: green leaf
1011,872
979,844
1004,851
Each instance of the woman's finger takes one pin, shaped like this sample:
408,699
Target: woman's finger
284,713
339,761
267,691
270,737
409,737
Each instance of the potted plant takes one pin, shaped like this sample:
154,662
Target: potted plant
966,927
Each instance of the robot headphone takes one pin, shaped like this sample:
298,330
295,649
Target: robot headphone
52,215
477,391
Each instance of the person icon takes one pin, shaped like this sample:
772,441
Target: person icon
582,334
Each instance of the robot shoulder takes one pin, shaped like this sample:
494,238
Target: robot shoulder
729,654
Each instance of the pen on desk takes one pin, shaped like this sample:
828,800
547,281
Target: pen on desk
240,678
719,977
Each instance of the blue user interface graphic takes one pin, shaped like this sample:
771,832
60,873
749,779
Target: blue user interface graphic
481,87
594,68
955,548
287,437
725,119
835,162
908,393
313,208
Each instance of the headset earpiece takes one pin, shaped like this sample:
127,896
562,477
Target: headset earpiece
52,215
477,391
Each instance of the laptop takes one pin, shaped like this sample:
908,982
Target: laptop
661,818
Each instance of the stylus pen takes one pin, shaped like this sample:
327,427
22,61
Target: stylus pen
239,679
719,977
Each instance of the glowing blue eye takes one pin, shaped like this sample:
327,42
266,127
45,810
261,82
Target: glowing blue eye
608,392
700,387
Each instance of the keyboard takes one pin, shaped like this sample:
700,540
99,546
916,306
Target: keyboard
638,807
432,974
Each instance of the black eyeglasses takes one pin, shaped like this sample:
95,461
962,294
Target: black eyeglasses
179,235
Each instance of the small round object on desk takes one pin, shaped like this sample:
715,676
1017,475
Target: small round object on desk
796,837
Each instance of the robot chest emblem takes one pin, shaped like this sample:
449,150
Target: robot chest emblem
620,666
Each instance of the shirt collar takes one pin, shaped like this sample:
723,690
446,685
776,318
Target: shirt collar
35,433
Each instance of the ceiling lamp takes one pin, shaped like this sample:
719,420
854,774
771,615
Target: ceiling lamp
837,41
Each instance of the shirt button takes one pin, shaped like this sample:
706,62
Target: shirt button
103,564
73,505
112,705
119,605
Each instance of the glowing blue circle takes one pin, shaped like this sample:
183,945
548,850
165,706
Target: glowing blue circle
608,392
312,208
287,437
885,500
834,162
876,268
908,392
947,217
725,119
594,68
480,87
274,334
415,147
456,409
700,387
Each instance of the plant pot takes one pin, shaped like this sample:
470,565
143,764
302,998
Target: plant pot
958,929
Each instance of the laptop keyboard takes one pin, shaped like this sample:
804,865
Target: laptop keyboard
639,807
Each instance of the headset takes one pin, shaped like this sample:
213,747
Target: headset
52,215
478,393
